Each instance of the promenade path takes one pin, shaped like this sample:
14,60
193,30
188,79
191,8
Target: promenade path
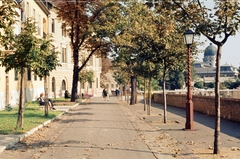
116,130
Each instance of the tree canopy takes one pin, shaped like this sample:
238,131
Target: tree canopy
8,17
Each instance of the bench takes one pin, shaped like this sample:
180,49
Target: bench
42,104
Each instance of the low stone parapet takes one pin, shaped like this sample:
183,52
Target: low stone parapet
229,107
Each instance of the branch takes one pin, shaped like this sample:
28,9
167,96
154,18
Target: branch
199,3
226,37
89,56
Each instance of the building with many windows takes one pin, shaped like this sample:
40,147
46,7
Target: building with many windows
43,12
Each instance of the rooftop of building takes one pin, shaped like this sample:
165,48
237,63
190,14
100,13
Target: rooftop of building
210,50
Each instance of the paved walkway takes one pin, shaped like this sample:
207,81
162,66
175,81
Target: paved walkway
200,141
165,141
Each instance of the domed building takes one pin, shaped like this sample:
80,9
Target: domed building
210,55
206,70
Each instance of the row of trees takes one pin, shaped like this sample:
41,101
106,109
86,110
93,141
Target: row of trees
28,52
148,41
145,41
224,85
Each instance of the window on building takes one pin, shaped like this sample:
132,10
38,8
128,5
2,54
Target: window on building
112,85
16,75
64,30
53,84
34,14
53,26
90,84
116,85
27,10
39,24
63,85
91,61
35,77
64,55
29,74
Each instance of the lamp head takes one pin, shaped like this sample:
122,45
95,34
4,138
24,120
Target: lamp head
188,37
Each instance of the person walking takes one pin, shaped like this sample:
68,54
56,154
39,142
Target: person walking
117,92
104,94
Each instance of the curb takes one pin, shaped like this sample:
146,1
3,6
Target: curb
30,132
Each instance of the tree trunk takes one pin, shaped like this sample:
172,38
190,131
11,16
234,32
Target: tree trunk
136,90
164,97
74,83
127,89
80,92
121,91
216,149
133,90
144,94
125,92
45,96
20,109
149,95
75,74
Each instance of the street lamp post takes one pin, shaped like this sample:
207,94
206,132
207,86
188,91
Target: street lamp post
188,40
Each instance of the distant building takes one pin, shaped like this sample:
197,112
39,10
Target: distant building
206,70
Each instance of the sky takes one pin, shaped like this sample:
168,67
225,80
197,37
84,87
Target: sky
230,50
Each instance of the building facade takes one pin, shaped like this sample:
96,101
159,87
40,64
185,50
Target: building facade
43,13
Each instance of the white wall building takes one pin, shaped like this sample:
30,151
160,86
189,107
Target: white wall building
59,79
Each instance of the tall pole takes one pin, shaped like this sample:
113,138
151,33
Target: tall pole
189,105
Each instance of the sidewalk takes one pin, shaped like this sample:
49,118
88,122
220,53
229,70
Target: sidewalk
166,141
199,141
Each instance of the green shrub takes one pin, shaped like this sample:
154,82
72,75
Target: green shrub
8,108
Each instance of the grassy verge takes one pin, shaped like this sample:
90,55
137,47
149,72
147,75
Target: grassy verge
33,116
64,102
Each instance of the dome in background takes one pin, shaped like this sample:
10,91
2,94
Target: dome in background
210,50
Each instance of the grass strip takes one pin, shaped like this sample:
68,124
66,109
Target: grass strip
33,116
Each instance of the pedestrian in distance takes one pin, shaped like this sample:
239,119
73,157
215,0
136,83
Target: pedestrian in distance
67,94
104,94
117,92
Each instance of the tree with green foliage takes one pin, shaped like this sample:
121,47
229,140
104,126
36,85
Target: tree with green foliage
46,62
134,32
120,72
199,84
86,32
86,76
176,79
25,55
228,84
8,15
217,24
211,85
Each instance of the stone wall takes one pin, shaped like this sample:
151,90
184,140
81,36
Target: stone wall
230,107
